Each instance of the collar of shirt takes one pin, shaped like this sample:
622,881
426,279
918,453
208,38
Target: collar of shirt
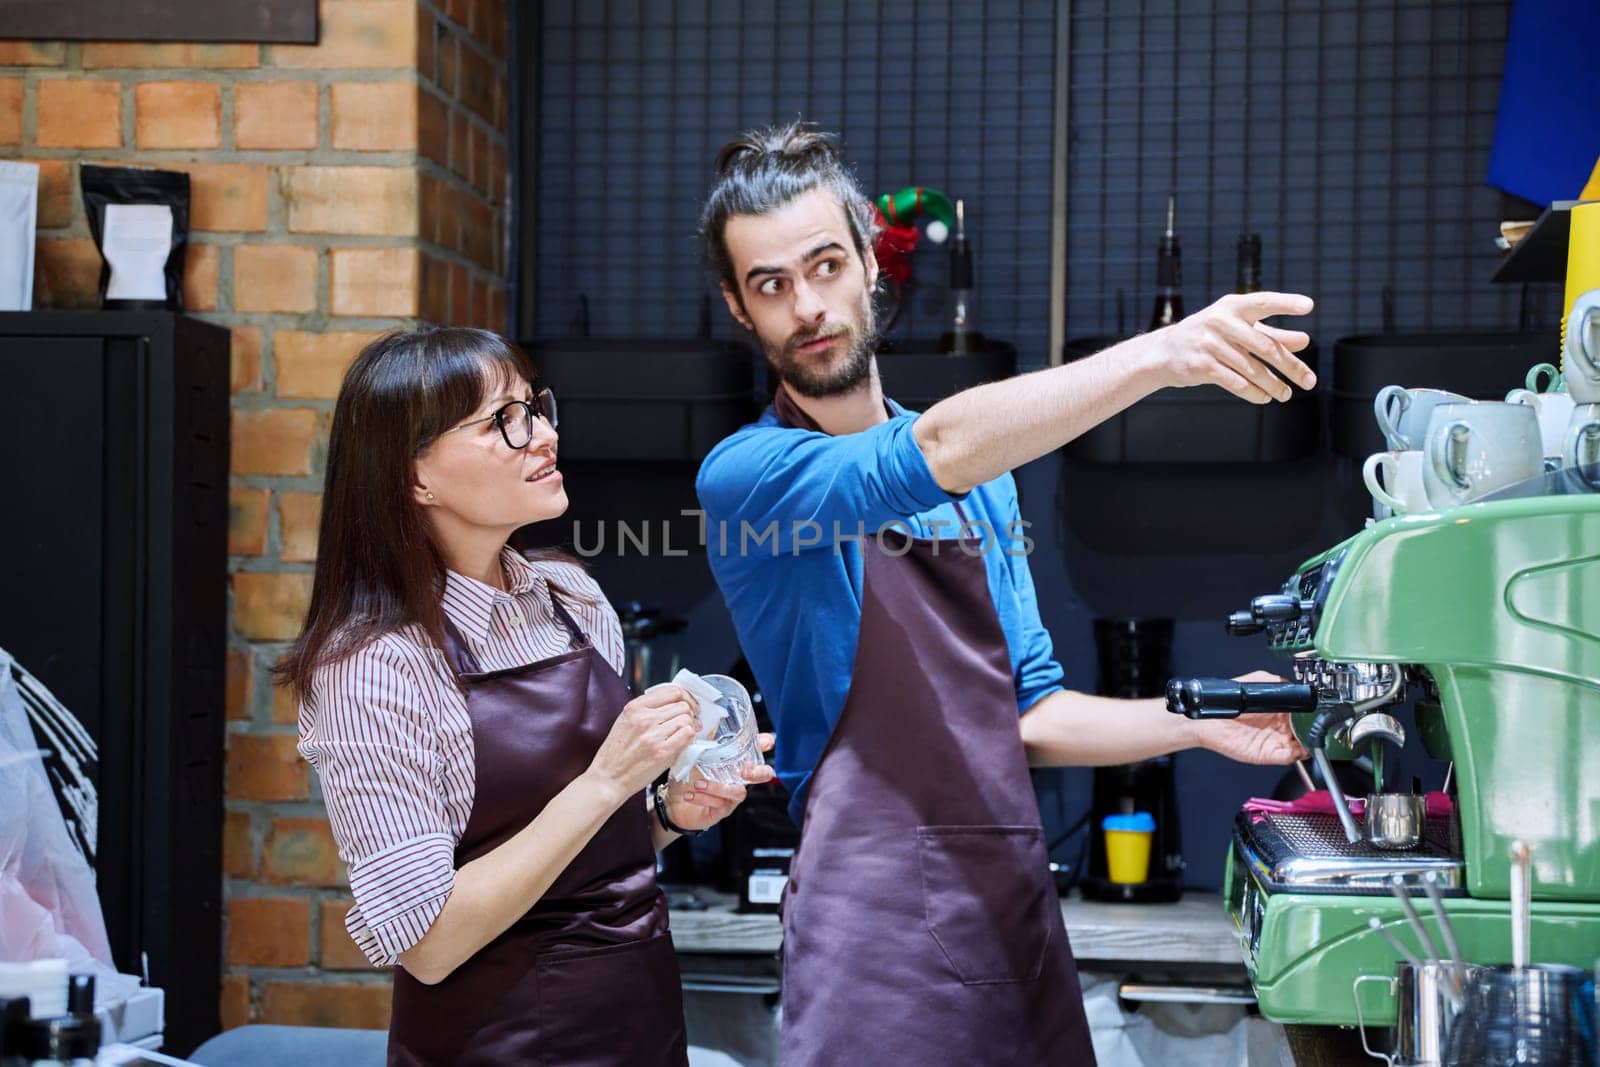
470,604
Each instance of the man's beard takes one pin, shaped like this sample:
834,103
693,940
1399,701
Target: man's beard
838,378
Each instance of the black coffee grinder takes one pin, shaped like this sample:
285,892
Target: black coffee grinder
1135,658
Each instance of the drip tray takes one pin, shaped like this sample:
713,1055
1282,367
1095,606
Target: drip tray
1308,853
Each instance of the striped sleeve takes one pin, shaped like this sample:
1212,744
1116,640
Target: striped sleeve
367,727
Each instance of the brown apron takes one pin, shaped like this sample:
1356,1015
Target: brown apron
920,923
588,977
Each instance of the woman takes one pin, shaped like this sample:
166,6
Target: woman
483,764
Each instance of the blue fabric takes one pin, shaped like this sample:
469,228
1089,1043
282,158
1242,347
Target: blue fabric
1547,132
264,1045
783,510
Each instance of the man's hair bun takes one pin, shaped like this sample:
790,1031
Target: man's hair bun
798,142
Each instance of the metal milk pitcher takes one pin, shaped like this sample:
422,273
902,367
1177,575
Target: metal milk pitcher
1539,1014
1427,1002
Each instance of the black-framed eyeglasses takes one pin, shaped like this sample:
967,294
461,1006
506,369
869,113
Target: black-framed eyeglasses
515,420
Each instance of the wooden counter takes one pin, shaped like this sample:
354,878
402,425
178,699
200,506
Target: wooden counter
1194,930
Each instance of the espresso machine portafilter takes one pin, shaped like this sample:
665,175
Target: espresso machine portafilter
1345,699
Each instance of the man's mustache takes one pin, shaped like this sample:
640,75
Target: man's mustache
796,340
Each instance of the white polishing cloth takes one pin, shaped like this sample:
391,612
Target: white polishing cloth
711,713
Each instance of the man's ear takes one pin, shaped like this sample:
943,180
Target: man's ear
870,261
736,308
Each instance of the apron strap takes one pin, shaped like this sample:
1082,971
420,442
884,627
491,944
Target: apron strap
791,415
579,638
457,652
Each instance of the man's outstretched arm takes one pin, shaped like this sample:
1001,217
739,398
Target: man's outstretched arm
982,432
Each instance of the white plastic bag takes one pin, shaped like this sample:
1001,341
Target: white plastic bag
48,904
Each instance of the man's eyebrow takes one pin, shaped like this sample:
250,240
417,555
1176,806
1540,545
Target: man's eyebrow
820,250
823,248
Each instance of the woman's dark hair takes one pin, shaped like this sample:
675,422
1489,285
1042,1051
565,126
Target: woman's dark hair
378,568
762,170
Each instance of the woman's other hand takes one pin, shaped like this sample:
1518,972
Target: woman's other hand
701,803
648,735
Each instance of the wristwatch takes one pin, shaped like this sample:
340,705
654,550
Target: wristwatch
658,801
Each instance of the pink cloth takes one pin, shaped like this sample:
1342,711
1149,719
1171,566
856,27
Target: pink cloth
1439,805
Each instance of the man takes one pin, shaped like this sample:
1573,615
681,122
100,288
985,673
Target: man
920,925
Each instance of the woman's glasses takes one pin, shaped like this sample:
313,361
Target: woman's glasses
515,420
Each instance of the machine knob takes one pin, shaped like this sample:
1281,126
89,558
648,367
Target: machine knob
1224,698
1243,624
1280,608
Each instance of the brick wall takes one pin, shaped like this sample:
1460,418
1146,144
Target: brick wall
338,190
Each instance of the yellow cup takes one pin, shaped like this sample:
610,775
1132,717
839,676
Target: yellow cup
1128,841
1583,261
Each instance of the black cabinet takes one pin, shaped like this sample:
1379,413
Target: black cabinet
113,566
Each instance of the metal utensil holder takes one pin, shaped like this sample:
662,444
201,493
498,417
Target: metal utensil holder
1427,1000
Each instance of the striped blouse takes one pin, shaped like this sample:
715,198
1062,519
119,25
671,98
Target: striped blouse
391,741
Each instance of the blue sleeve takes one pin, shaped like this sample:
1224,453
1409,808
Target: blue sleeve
805,488
1038,674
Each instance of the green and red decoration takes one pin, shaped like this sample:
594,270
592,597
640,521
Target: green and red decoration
897,215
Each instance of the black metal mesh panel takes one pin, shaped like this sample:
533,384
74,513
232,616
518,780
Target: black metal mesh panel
634,99
1354,136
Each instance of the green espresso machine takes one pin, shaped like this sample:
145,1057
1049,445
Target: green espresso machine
1488,616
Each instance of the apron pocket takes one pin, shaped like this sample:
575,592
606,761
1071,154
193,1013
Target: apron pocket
985,896
620,1004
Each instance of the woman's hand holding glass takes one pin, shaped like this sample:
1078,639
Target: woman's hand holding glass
700,803
648,735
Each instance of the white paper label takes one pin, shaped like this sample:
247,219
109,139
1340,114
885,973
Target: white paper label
19,183
137,241
767,888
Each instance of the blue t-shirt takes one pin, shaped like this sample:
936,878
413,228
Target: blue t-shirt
783,510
